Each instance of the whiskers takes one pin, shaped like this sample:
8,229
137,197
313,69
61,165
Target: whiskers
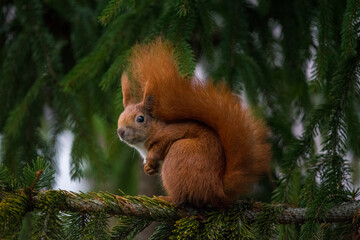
134,154
115,138
112,139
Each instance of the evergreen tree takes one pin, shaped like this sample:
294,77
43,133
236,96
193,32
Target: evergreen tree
41,42
295,62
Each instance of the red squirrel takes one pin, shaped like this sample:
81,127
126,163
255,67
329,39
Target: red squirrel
208,148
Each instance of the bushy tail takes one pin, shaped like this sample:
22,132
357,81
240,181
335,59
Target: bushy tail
243,137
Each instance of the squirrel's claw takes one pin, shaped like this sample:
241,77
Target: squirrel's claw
149,170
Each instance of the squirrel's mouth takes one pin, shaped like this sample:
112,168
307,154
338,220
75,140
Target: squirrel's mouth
127,140
127,136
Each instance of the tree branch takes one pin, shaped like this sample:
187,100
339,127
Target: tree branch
158,210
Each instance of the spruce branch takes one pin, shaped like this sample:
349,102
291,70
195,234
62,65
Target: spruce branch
158,210
140,211
111,10
37,178
45,49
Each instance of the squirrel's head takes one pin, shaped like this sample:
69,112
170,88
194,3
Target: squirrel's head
135,124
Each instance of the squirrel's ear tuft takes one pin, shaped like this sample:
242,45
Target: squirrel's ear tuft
125,86
149,103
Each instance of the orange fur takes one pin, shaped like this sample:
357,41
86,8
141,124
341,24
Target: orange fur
240,153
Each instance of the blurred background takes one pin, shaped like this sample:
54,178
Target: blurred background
296,64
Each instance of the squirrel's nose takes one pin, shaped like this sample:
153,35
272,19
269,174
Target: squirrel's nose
121,133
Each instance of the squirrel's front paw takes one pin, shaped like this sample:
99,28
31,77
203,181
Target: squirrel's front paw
149,170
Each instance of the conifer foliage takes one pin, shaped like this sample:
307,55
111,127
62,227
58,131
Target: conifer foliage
66,215
297,63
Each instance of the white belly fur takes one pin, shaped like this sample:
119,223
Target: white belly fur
141,149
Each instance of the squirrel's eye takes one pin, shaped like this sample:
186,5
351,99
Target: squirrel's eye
140,119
